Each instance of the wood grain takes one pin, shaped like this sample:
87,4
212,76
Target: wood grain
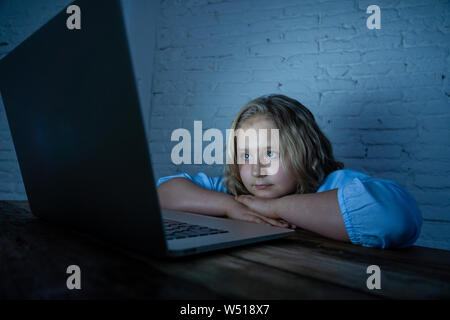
34,256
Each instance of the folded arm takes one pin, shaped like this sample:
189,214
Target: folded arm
317,212
184,195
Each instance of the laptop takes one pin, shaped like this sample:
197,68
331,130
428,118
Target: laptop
73,110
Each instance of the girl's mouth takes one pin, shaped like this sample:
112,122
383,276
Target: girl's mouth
262,186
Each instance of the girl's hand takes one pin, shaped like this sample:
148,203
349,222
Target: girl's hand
264,207
239,211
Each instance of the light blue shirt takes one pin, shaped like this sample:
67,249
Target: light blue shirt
376,212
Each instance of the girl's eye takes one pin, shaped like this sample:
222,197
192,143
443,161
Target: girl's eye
271,154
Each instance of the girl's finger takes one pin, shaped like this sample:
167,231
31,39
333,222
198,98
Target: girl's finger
252,218
275,222
255,218
290,225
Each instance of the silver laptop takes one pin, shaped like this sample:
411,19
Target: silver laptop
73,110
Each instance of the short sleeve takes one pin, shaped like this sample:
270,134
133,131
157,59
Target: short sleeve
201,179
379,213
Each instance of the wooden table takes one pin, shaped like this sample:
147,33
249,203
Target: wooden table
34,256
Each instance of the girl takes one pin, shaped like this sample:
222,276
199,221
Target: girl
310,189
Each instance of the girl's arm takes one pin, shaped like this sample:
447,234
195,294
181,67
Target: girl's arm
376,212
317,212
184,195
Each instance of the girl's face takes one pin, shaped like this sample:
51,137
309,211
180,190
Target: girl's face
256,178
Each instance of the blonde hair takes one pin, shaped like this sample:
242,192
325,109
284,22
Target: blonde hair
303,146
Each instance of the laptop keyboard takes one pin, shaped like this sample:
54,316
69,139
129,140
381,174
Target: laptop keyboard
179,230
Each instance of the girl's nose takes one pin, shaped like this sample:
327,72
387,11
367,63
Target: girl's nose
256,170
